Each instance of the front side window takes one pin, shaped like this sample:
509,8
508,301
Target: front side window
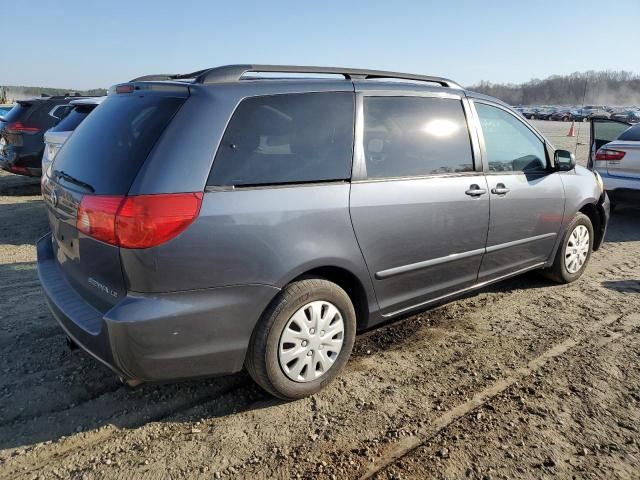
415,136
510,145
291,138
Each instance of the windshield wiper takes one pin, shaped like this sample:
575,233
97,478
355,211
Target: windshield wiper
65,176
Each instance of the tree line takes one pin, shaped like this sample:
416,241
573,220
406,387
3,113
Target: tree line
11,93
581,88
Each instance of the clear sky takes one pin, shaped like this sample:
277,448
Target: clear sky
85,44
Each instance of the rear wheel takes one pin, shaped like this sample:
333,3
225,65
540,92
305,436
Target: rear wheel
574,252
303,340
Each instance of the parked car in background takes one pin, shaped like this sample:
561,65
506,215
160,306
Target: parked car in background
55,137
578,115
223,220
561,115
545,114
520,110
591,113
4,109
22,133
530,112
615,155
630,116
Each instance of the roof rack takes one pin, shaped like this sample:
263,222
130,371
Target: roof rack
234,73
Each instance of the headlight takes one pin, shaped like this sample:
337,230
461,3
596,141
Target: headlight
599,181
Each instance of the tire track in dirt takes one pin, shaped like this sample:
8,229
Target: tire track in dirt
29,467
409,444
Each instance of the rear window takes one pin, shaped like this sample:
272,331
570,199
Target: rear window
290,138
19,112
107,150
631,135
71,121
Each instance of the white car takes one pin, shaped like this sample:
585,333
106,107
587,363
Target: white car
615,155
55,137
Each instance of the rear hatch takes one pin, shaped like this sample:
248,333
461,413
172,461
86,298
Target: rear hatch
96,167
10,138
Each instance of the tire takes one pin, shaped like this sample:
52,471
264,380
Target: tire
264,360
561,272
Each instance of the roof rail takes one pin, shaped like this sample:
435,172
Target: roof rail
233,73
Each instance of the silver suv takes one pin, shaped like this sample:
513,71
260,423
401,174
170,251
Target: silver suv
205,222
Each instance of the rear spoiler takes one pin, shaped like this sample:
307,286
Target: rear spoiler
161,88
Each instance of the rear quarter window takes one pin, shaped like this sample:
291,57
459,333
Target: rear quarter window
288,138
109,147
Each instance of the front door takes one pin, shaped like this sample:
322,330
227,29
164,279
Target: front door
526,194
419,203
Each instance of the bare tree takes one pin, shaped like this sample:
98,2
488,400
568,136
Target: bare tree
603,88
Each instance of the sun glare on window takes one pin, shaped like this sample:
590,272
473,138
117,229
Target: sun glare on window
441,128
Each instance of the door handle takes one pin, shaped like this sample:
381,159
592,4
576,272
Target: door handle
500,189
475,191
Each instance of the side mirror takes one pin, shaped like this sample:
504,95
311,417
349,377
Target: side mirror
564,161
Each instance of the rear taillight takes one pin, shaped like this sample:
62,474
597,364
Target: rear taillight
52,151
19,170
140,221
97,217
125,88
19,127
605,154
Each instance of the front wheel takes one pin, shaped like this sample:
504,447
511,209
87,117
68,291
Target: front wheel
303,340
574,252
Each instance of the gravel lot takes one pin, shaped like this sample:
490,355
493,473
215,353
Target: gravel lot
524,379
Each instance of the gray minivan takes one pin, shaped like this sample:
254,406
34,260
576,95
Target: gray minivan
206,222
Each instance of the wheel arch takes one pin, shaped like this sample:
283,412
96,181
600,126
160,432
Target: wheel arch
591,210
350,283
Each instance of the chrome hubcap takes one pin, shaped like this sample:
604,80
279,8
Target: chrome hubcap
311,341
575,254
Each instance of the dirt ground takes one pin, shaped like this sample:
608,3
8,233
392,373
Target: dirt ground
524,379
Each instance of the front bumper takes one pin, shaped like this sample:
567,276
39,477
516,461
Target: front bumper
158,336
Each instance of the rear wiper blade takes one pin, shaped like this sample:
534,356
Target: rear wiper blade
65,176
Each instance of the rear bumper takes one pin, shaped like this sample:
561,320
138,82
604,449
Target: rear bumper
158,337
18,167
614,184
